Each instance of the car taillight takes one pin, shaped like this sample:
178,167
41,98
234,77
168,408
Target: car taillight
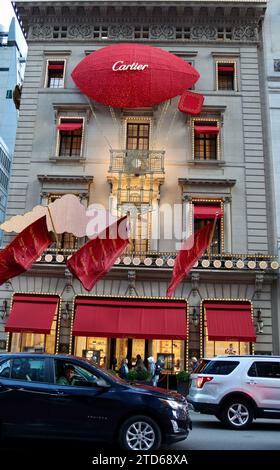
200,381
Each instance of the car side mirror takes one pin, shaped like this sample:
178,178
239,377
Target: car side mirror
102,383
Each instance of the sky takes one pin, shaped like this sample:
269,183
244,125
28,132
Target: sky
6,13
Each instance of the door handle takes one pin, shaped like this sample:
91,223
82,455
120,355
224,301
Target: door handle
251,382
60,392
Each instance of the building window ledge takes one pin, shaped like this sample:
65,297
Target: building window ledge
206,162
69,160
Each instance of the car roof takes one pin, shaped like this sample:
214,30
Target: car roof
236,356
67,357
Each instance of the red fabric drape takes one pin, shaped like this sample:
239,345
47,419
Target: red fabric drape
192,250
24,250
70,126
225,68
207,211
91,262
56,67
206,130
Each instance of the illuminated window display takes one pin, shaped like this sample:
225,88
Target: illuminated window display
171,353
216,348
34,342
127,327
92,348
227,328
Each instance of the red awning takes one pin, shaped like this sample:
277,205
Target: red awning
207,211
55,66
226,68
70,126
32,313
229,321
117,318
206,130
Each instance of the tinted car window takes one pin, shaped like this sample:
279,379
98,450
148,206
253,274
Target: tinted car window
29,369
81,377
201,366
5,369
252,372
265,369
220,367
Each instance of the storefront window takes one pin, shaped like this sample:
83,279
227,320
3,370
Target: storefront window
216,348
222,318
92,348
34,342
138,347
171,352
101,350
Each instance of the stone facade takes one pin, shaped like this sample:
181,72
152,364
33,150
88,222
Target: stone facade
204,33
272,73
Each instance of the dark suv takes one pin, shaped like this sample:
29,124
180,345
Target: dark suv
36,399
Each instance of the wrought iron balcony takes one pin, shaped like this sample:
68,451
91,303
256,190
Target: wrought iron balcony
137,162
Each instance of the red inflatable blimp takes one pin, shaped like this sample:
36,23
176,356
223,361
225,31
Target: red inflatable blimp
136,76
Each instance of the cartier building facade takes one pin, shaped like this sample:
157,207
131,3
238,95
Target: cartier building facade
172,170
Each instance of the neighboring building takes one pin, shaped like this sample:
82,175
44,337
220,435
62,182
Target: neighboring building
272,56
5,167
12,63
163,162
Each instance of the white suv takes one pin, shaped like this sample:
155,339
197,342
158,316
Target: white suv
237,389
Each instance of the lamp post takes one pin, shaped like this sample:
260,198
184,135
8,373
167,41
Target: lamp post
195,317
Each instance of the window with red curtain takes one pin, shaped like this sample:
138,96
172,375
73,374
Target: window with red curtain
55,74
226,75
70,137
204,213
206,140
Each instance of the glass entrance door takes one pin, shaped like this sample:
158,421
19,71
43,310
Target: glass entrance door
129,348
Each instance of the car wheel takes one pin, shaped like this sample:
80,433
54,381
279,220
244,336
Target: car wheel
237,414
140,433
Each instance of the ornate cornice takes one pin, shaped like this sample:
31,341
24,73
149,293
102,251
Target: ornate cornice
65,179
164,21
207,182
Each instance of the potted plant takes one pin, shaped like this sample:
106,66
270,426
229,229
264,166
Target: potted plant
183,379
132,375
137,375
142,375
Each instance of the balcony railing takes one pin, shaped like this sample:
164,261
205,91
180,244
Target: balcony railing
137,162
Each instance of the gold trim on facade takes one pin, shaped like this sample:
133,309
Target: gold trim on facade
194,199
233,62
202,317
219,126
133,298
58,314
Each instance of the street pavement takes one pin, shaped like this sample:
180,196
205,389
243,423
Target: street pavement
209,434
204,445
